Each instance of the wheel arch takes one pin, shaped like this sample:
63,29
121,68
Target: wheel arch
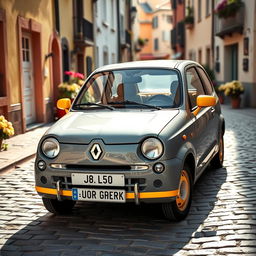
190,161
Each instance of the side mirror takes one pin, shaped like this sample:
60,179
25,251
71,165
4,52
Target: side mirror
64,104
204,101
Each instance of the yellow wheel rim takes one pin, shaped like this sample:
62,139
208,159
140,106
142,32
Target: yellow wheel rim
182,198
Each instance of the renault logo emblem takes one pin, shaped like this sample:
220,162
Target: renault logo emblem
96,151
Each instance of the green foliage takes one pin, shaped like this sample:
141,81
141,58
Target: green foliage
189,19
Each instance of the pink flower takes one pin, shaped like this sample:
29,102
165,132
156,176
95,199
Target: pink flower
221,5
69,73
79,75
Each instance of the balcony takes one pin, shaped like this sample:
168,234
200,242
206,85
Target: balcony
229,25
83,32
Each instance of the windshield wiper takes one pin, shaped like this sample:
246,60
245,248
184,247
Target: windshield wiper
128,102
93,104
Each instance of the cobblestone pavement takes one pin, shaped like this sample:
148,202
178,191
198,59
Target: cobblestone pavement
222,220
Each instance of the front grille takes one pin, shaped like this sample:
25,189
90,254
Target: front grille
98,167
129,183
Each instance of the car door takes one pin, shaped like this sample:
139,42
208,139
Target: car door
213,123
201,135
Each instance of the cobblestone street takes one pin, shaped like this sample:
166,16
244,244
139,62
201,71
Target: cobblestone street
222,220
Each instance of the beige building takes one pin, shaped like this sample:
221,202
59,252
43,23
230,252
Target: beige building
235,52
198,23
162,25
154,20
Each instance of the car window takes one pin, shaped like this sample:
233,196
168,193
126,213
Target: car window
206,82
155,87
194,86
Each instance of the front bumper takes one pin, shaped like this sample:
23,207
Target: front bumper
140,186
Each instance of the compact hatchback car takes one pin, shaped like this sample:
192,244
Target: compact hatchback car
139,132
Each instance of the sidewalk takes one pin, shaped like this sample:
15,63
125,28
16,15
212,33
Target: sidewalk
21,147
250,112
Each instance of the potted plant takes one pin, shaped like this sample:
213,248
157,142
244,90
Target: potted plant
70,88
227,8
234,89
6,131
189,18
220,91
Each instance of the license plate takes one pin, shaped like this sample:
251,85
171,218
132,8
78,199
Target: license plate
98,195
92,179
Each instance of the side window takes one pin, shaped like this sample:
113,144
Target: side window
195,87
206,83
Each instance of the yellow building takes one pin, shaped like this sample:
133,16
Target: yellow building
26,29
40,40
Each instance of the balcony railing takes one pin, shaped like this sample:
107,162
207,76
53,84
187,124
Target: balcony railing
229,25
83,32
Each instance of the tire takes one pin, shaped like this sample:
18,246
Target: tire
217,161
58,207
179,209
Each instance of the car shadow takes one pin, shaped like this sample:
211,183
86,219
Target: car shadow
118,229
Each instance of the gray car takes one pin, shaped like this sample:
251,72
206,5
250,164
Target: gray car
139,132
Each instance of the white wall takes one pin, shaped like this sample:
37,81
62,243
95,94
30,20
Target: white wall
105,32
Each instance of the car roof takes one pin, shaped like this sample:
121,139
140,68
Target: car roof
147,64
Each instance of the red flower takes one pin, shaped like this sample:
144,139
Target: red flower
70,73
79,75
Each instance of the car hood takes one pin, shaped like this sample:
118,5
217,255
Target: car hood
113,127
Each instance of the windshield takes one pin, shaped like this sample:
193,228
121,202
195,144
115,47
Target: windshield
136,88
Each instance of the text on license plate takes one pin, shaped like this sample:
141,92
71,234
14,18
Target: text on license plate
98,179
98,195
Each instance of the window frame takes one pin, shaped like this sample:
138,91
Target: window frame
187,94
202,80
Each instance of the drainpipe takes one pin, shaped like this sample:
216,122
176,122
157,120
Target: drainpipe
213,38
118,32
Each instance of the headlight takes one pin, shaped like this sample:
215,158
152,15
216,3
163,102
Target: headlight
152,148
51,147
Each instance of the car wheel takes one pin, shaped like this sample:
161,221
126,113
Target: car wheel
178,209
58,207
217,161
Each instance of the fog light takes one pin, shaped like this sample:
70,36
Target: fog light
158,168
41,165
43,180
158,183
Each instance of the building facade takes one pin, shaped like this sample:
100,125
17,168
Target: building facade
106,32
198,18
162,25
178,42
155,21
235,52
26,38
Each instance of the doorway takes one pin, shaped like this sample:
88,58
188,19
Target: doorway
28,80
231,62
